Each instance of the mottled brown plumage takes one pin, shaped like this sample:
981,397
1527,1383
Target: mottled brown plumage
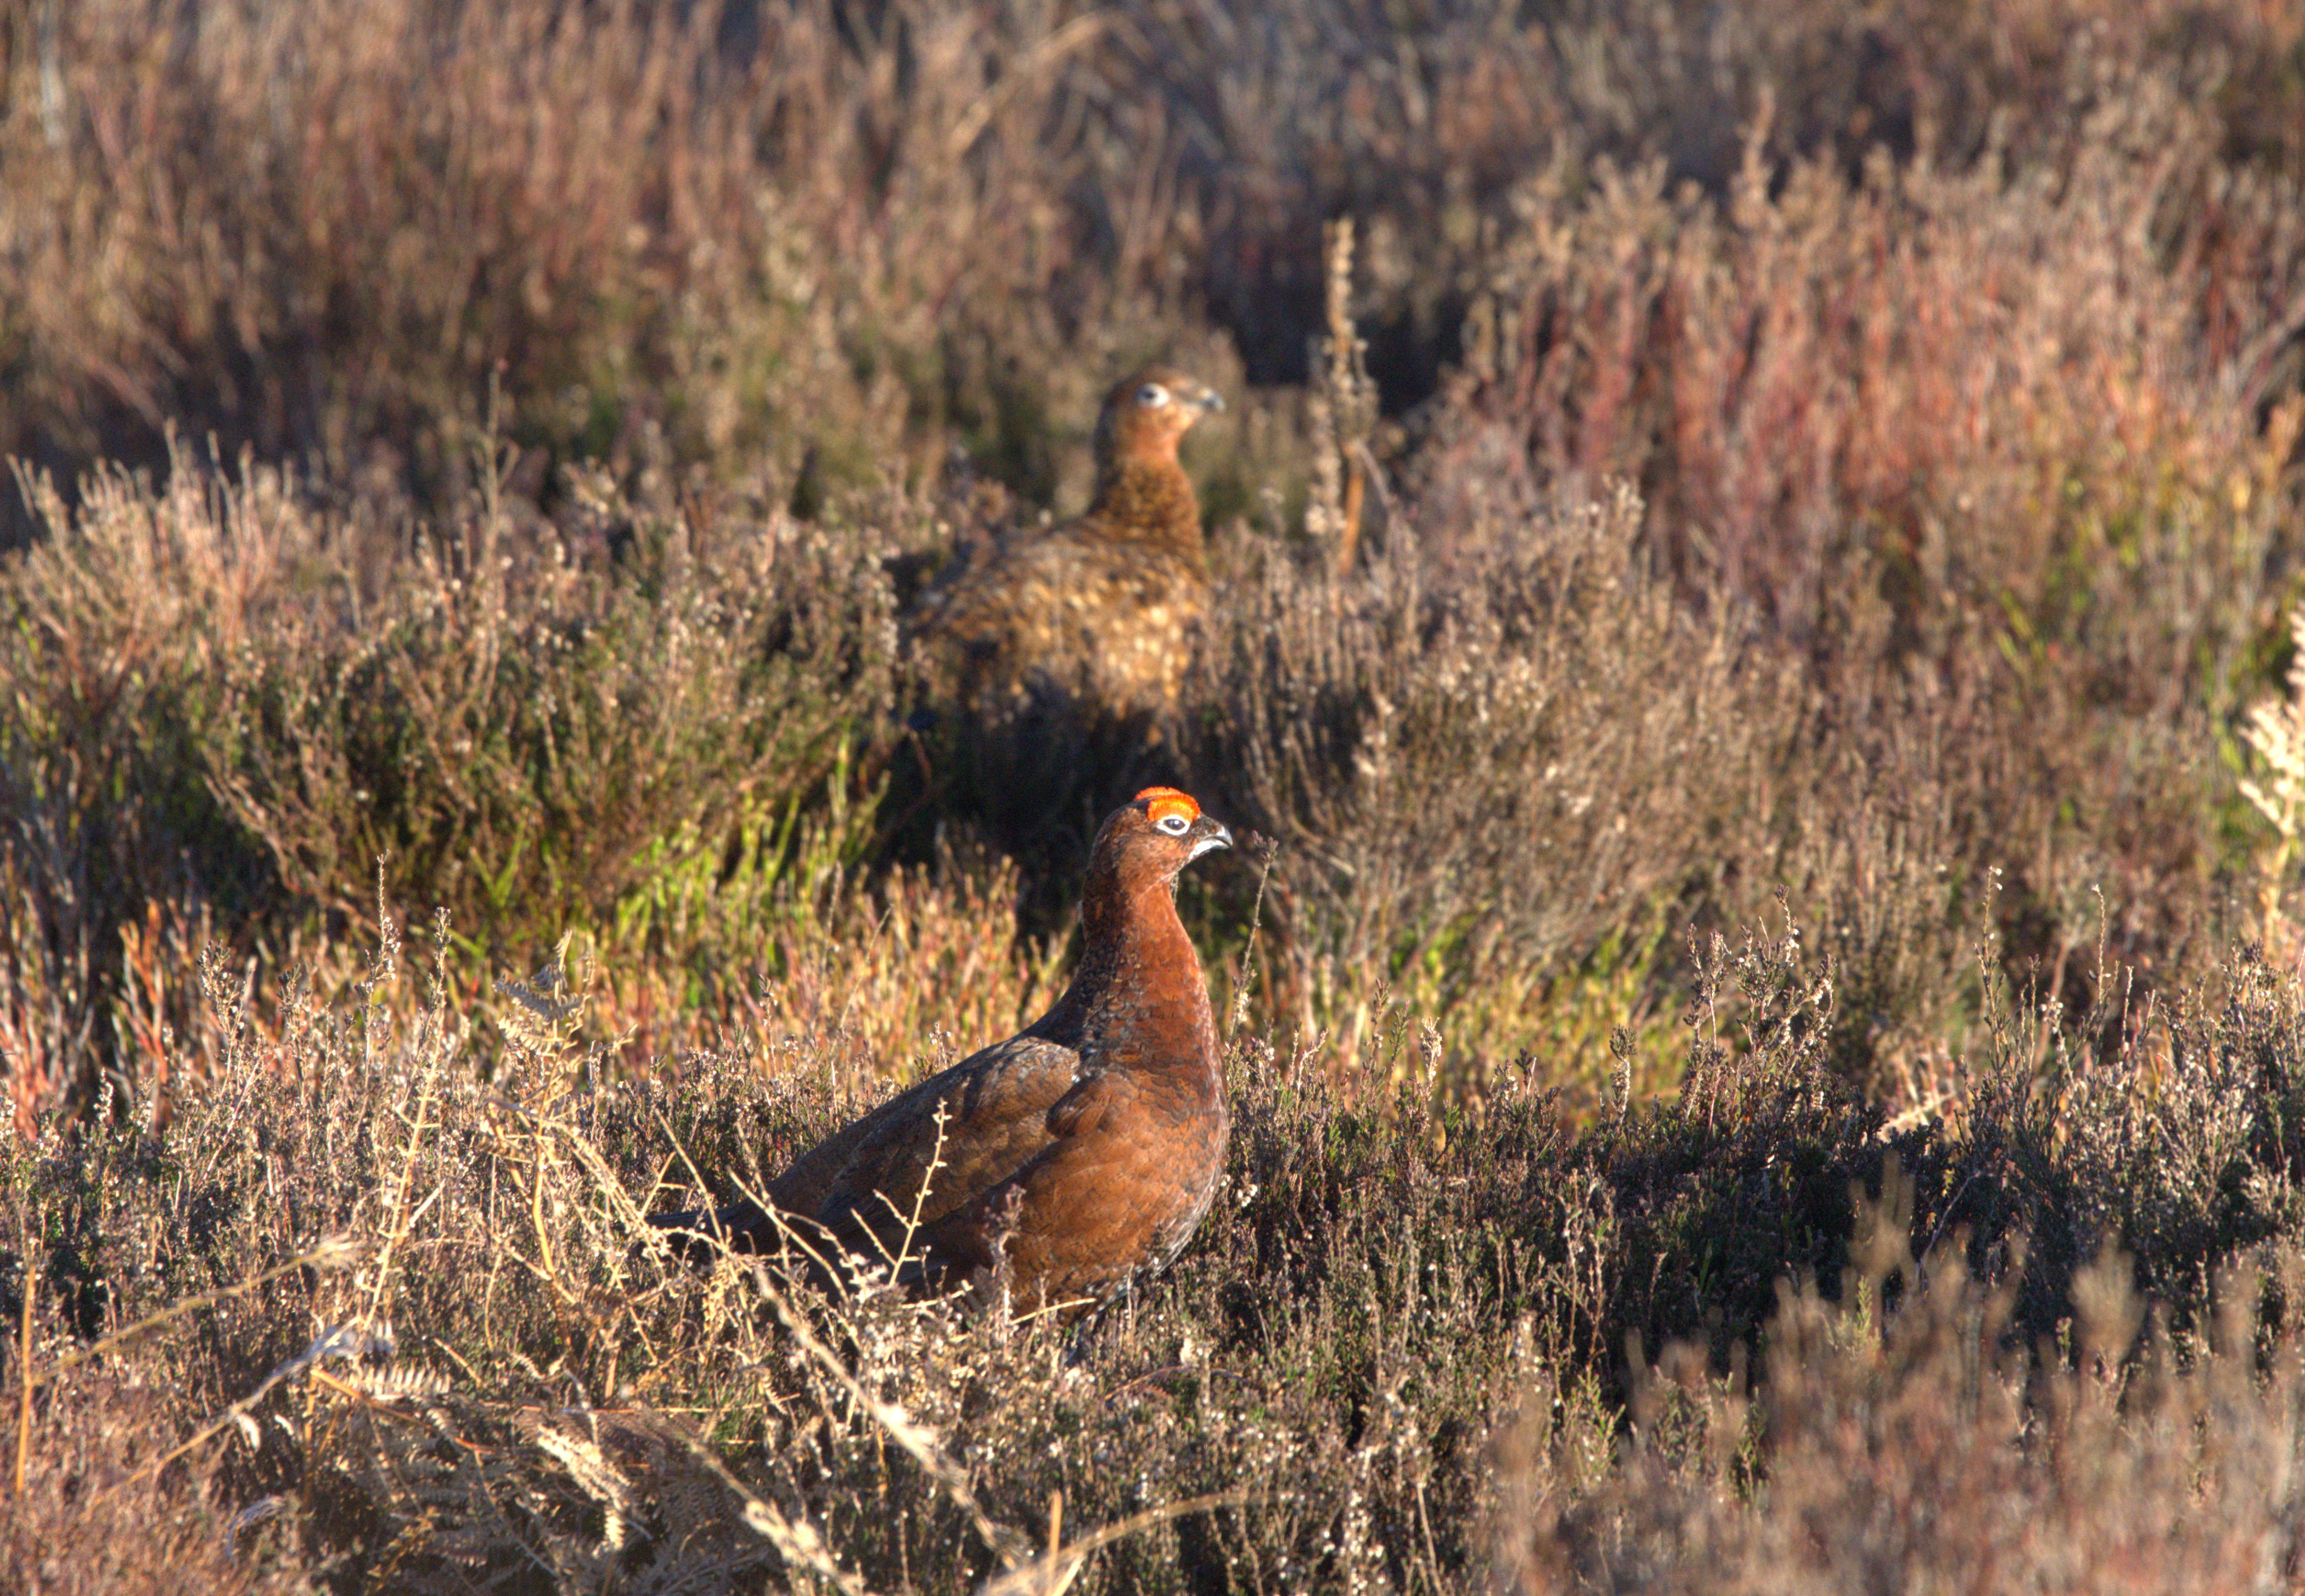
1099,609
1078,1156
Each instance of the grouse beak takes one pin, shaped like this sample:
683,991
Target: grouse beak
1213,837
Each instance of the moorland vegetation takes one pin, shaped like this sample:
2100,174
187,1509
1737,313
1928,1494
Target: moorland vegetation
1757,556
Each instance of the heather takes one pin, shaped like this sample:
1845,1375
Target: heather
1756,558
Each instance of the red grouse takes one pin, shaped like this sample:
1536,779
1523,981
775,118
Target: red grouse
1098,609
1074,1159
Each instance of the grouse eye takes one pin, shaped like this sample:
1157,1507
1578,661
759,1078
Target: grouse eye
1174,825
1151,396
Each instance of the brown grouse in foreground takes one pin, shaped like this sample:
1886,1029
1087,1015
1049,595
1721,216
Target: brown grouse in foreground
1099,609
1077,1157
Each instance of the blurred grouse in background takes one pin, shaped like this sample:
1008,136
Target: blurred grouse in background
1074,1159
1097,610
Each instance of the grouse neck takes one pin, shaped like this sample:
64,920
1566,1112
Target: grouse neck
1150,501
1136,958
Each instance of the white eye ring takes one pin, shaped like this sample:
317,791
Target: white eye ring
1153,395
1174,825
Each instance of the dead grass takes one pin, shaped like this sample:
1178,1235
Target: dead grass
1918,1451
379,1305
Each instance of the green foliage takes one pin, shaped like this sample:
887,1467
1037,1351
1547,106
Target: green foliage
208,707
535,744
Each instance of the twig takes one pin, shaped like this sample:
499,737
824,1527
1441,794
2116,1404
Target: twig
402,1221
788,1235
1345,400
915,1439
798,1542
971,122
1127,1386
912,1221
24,1379
338,1341
1266,849
332,1251
1917,1113
1032,1580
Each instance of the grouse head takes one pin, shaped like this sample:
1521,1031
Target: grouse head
1157,833
1143,417
1138,852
